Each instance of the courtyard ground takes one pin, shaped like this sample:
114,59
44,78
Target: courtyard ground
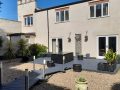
63,81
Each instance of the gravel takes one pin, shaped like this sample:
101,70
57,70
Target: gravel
63,81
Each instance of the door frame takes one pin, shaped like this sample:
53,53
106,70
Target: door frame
57,46
106,37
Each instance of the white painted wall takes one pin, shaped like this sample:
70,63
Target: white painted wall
79,23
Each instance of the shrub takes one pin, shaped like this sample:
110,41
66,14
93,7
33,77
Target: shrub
22,47
9,54
110,56
118,58
37,49
1,41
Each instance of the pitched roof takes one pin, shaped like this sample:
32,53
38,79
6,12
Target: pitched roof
60,5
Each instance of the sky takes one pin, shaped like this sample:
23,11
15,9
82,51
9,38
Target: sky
9,7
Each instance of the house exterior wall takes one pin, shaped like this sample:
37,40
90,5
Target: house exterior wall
8,27
79,23
26,8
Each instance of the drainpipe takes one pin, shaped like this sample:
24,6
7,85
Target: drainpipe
48,29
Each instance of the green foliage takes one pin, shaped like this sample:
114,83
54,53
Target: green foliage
118,58
9,54
110,56
37,49
81,79
22,47
1,41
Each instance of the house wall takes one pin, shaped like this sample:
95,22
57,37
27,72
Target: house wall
79,23
26,8
8,27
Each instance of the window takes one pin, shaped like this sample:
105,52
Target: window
92,11
28,20
99,10
62,15
105,9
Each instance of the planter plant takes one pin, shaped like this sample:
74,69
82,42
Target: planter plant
110,66
118,58
81,84
9,52
110,57
80,57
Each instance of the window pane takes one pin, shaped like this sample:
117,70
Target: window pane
91,11
67,15
28,21
62,15
31,20
98,10
105,9
25,21
57,16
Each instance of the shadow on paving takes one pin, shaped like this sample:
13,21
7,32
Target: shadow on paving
47,86
116,86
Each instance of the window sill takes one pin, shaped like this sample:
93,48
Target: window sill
28,26
62,22
98,17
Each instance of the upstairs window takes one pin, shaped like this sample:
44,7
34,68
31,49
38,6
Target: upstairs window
28,20
99,10
62,15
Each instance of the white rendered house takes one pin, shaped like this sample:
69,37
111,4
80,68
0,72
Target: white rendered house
88,27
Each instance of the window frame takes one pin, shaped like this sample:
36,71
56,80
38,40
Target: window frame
102,10
60,18
28,20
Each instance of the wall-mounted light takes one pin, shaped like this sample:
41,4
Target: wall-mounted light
69,38
86,37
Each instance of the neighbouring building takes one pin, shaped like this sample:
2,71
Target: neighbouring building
8,27
88,27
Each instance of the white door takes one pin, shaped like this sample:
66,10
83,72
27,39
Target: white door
105,43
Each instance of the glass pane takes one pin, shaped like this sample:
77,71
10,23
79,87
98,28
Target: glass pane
102,46
31,20
28,21
60,45
62,15
105,9
98,10
112,43
67,15
25,19
57,16
91,11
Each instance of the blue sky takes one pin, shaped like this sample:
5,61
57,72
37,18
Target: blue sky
9,7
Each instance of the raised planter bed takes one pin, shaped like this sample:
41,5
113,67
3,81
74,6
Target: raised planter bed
58,57
106,67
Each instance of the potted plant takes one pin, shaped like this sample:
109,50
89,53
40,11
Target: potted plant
110,57
118,58
81,84
80,57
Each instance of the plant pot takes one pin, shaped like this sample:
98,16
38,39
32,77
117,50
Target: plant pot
81,85
25,59
77,67
80,57
50,64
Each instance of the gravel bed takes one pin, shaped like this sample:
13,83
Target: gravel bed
63,81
